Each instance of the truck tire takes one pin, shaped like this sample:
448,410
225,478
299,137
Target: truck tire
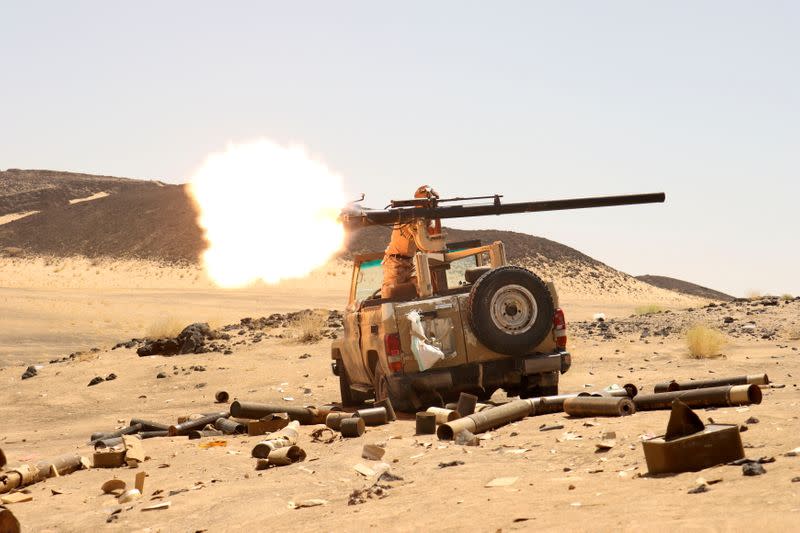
510,310
383,391
348,400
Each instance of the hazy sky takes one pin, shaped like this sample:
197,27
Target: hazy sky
535,100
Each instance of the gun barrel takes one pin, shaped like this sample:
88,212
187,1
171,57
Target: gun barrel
408,214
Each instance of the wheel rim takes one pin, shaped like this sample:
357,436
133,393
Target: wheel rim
513,309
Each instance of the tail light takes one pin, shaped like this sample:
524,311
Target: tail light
560,329
394,354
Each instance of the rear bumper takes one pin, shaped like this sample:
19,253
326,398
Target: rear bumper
543,368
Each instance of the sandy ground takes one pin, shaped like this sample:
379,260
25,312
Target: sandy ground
55,306
561,484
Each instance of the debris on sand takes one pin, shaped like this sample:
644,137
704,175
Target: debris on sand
753,469
28,474
377,490
501,482
690,445
307,503
30,372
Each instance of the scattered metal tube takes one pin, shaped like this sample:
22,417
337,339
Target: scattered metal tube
107,443
466,404
387,404
726,396
136,428
374,416
552,404
334,420
256,411
426,423
230,427
185,427
750,379
148,425
604,406
153,434
443,415
27,474
278,439
352,427
221,396
486,420
201,433
286,456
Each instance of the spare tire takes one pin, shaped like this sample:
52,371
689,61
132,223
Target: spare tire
511,310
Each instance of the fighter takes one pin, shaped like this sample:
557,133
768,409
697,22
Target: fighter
398,259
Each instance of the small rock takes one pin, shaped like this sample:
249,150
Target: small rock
29,372
450,463
95,381
698,489
111,377
751,420
161,375
305,356
796,479
753,469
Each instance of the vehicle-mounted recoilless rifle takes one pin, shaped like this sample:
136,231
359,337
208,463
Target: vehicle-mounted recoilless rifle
425,214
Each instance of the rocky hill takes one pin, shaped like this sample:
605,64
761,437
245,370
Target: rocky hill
685,287
151,220
35,190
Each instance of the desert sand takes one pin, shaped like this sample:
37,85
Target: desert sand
52,307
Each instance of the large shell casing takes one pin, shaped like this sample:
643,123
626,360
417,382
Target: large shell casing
230,427
726,396
352,427
334,420
426,423
552,404
149,425
486,420
373,416
443,415
279,439
750,379
185,427
256,411
602,406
